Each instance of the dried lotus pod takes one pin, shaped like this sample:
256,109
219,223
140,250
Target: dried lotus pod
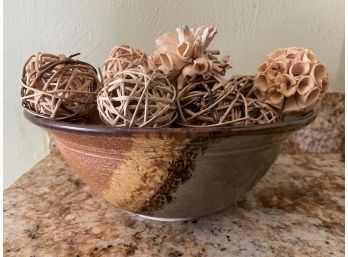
308,56
274,69
263,83
121,58
277,54
302,102
305,84
275,97
58,87
287,85
293,55
289,79
264,66
309,98
259,94
319,72
291,105
299,68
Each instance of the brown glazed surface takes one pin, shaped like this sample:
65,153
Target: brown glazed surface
170,172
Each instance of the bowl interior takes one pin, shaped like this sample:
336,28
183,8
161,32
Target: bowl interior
289,123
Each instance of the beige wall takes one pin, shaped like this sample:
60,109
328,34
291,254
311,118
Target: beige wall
247,31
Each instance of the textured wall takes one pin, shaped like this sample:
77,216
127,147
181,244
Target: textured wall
247,31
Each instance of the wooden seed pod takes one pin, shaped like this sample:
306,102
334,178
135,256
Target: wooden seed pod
291,80
137,98
58,87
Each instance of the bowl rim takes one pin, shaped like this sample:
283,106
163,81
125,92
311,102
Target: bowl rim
292,123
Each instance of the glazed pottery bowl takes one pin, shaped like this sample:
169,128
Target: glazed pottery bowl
170,173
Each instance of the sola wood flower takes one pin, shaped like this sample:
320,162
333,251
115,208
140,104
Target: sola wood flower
58,87
185,58
137,98
291,80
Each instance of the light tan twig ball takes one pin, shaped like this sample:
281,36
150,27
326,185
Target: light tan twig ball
121,58
138,98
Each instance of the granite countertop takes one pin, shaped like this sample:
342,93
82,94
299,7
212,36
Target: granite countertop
297,209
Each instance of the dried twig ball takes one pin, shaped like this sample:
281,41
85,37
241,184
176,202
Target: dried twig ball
58,87
121,58
212,103
245,85
138,98
291,80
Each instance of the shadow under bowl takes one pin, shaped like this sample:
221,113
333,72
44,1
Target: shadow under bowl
170,173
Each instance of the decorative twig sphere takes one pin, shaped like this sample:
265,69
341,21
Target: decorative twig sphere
291,80
245,85
138,98
213,103
121,58
58,87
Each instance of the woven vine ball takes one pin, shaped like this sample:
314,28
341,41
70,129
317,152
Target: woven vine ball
121,58
245,85
138,98
58,87
212,103
291,80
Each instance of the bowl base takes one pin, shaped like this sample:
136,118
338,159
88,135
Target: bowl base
183,219
163,219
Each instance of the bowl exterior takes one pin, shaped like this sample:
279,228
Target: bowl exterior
170,175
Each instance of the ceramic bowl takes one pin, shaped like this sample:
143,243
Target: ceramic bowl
170,173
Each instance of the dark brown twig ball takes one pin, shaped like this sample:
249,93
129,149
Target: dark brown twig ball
213,103
58,87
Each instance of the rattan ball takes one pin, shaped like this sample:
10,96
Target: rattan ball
212,103
58,87
244,84
121,58
137,98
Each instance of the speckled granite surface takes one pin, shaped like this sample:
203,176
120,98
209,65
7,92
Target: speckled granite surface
296,210
326,133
